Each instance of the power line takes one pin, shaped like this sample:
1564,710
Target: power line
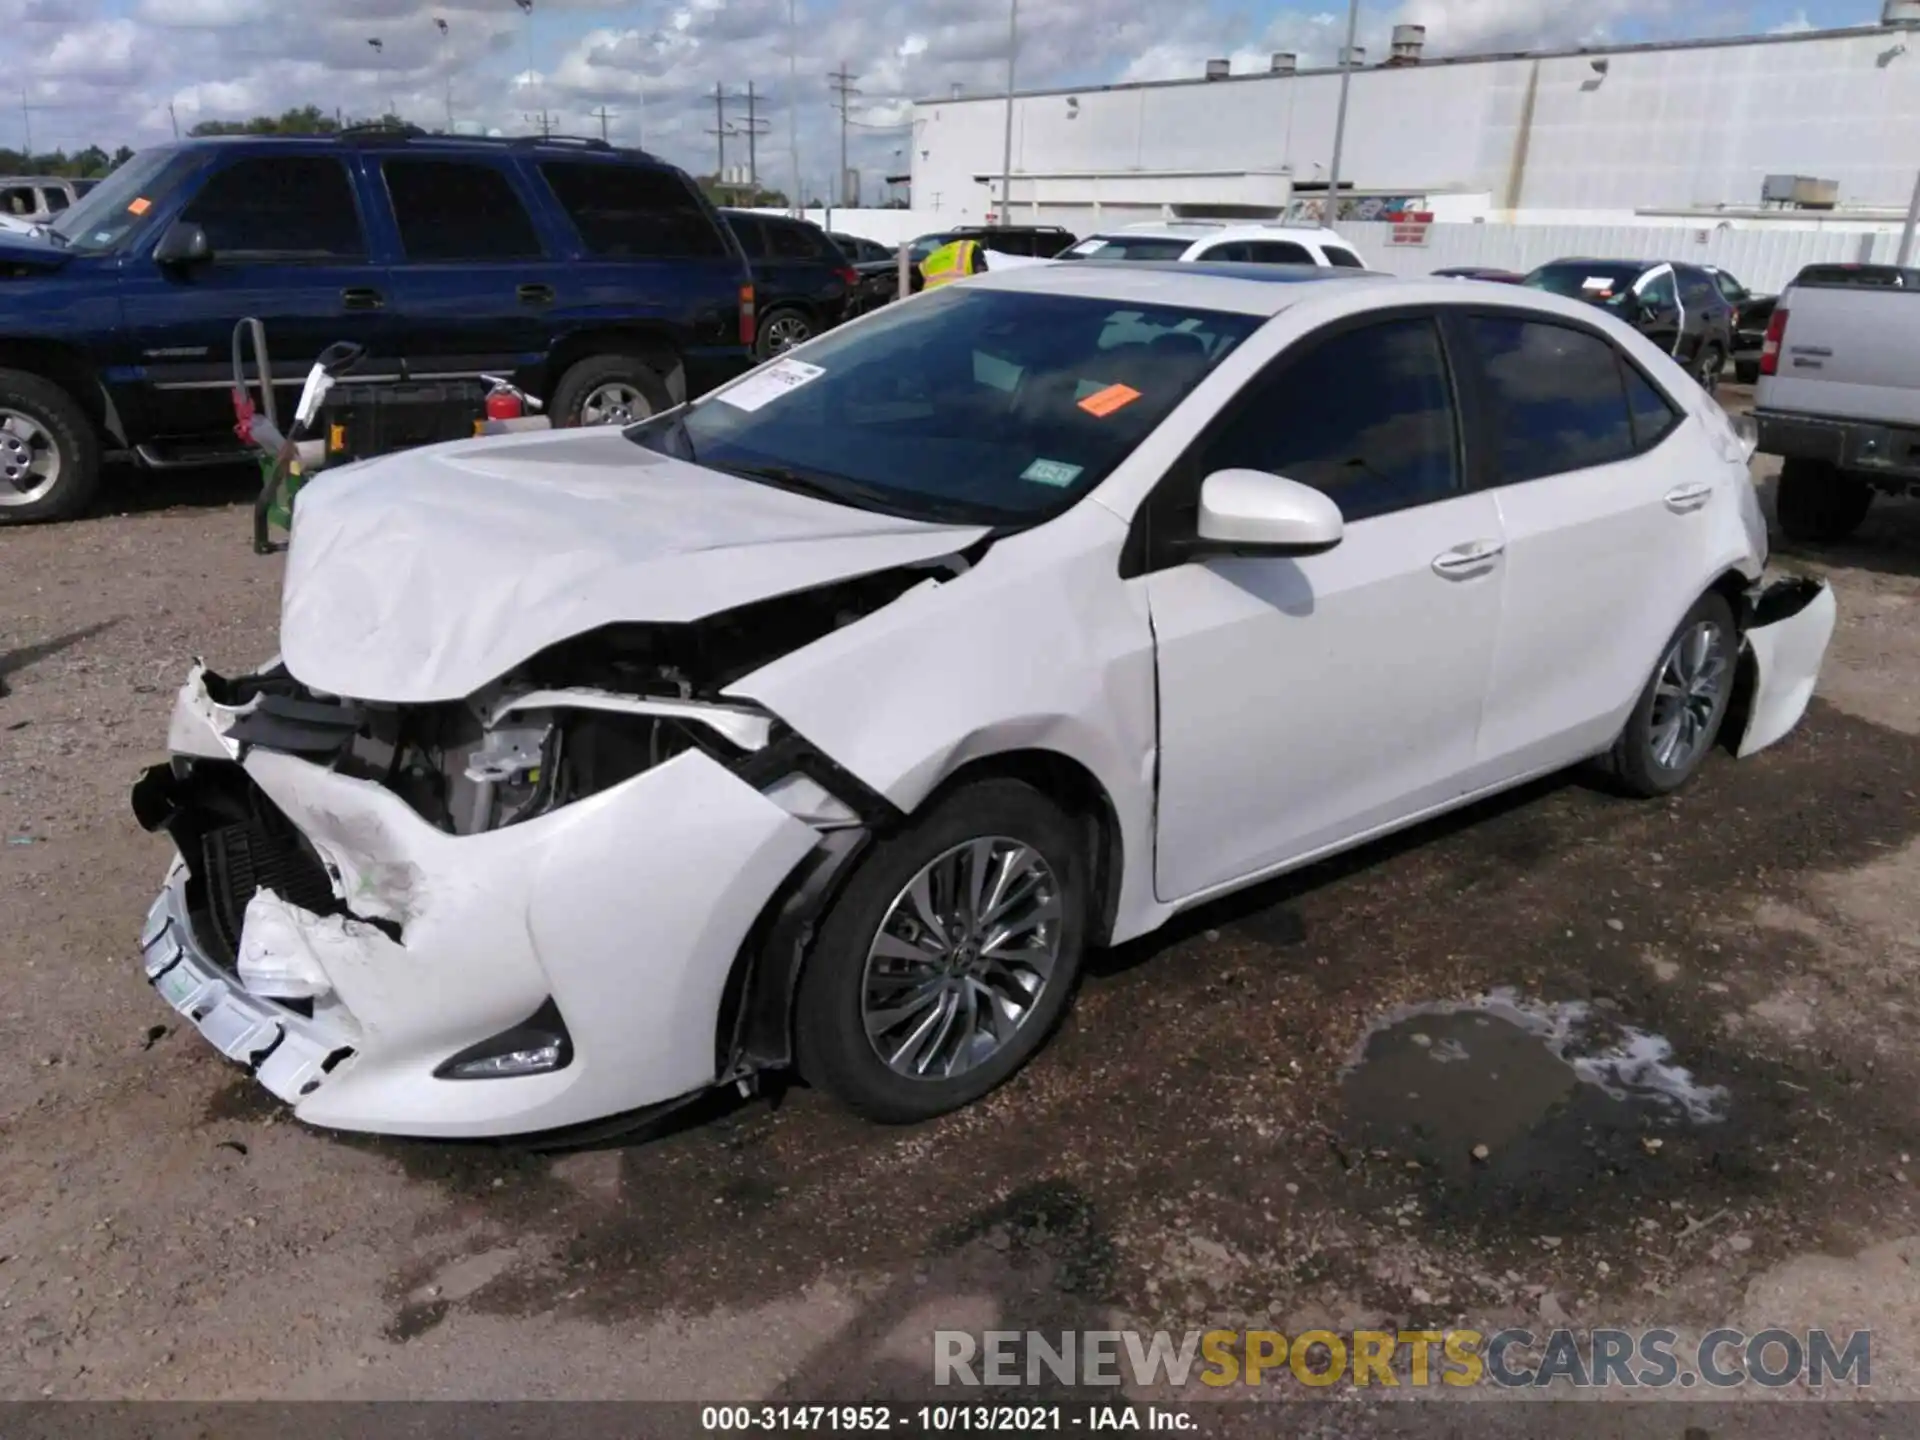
602,116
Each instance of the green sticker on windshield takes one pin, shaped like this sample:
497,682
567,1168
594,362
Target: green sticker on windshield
1056,473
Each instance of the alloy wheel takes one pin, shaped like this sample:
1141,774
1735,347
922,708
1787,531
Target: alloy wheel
962,958
1686,698
614,403
786,331
29,459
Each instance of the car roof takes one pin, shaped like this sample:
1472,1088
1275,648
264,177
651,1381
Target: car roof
1265,290
1198,230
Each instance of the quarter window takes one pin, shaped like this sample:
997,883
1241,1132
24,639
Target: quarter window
1654,417
1556,396
452,210
280,207
1365,416
1345,259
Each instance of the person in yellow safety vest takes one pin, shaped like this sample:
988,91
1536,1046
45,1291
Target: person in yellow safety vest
953,261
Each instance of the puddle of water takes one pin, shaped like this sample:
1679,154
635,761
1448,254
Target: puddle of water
1519,1097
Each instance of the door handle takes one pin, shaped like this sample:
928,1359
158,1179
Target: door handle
362,297
1465,561
1684,499
535,294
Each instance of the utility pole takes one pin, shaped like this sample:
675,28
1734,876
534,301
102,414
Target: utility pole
446,65
1006,154
1340,121
753,146
793,103
174,119
26,121
1906,231
842,82
720,135
601,116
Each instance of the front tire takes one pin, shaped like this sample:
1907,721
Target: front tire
949,958
1679,714
609,390
1818,503
49,453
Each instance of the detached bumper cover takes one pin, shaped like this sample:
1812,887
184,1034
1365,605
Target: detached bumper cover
1790,624
625,909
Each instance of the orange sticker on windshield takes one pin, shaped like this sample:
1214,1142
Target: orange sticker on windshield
139,205
1104,402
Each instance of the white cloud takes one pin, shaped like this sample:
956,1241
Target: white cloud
1796,24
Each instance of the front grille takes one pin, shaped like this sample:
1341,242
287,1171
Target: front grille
240,859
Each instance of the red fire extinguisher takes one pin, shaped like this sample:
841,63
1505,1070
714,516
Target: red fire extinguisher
503,402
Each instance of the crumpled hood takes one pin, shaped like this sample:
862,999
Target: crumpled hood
426,575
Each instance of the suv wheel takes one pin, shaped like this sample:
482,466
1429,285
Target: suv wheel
780,331
609,390
49,454
1819,503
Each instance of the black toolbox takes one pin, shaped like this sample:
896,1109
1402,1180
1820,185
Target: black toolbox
359,422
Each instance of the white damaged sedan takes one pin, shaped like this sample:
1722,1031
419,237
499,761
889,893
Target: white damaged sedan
830,721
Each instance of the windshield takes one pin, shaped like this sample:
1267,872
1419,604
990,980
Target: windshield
969,405
101,218
1600,281
1127,247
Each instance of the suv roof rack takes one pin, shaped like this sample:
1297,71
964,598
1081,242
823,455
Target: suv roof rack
584,142
382,129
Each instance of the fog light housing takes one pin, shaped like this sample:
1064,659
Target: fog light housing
538,1045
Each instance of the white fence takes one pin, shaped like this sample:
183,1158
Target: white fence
1762,259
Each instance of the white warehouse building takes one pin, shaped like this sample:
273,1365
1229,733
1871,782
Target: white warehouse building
1615,135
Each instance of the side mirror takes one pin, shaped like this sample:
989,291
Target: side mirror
1252,512
184,244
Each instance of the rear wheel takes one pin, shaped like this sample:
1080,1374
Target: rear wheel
1818,503
49,454
1679,714
780,331
949,957
609,390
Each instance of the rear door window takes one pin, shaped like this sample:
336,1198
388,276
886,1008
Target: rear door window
54,198
751,234
633,212
1233,251
457,210
284,208
1556,394
1345,259
795,242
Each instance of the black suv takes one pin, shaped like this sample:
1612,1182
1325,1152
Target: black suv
1678,307
598,279
801,280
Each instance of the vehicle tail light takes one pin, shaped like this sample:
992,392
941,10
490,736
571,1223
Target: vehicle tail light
1770,347
747,322
848,276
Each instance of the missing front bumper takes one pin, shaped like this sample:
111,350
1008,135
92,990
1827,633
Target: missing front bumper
1789,625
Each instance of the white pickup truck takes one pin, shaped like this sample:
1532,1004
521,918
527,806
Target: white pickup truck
1839,395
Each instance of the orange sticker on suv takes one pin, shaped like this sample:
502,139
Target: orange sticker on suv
1104,402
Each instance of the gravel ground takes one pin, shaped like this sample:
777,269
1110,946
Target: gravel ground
1191,1150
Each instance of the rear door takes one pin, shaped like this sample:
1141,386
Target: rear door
1658,315
474,283
1602,537
290,249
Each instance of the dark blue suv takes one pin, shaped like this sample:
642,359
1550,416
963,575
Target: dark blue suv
599,279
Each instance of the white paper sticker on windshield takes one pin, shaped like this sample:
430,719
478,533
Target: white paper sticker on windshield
765,386
1056,473
1088,247
1596,282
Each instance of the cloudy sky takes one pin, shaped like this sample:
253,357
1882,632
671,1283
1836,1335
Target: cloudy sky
106,71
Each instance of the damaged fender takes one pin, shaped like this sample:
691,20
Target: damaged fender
998,663
1789,626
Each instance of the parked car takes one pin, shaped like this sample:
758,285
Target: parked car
802,282
1195,240
27,201
835,718
1480,272
1751,313
1041,242
878,268
595,278
1839,396
1678,307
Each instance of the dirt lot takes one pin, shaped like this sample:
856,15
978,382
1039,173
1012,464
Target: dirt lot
1190,1150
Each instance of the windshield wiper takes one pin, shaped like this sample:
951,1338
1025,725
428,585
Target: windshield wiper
907,504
